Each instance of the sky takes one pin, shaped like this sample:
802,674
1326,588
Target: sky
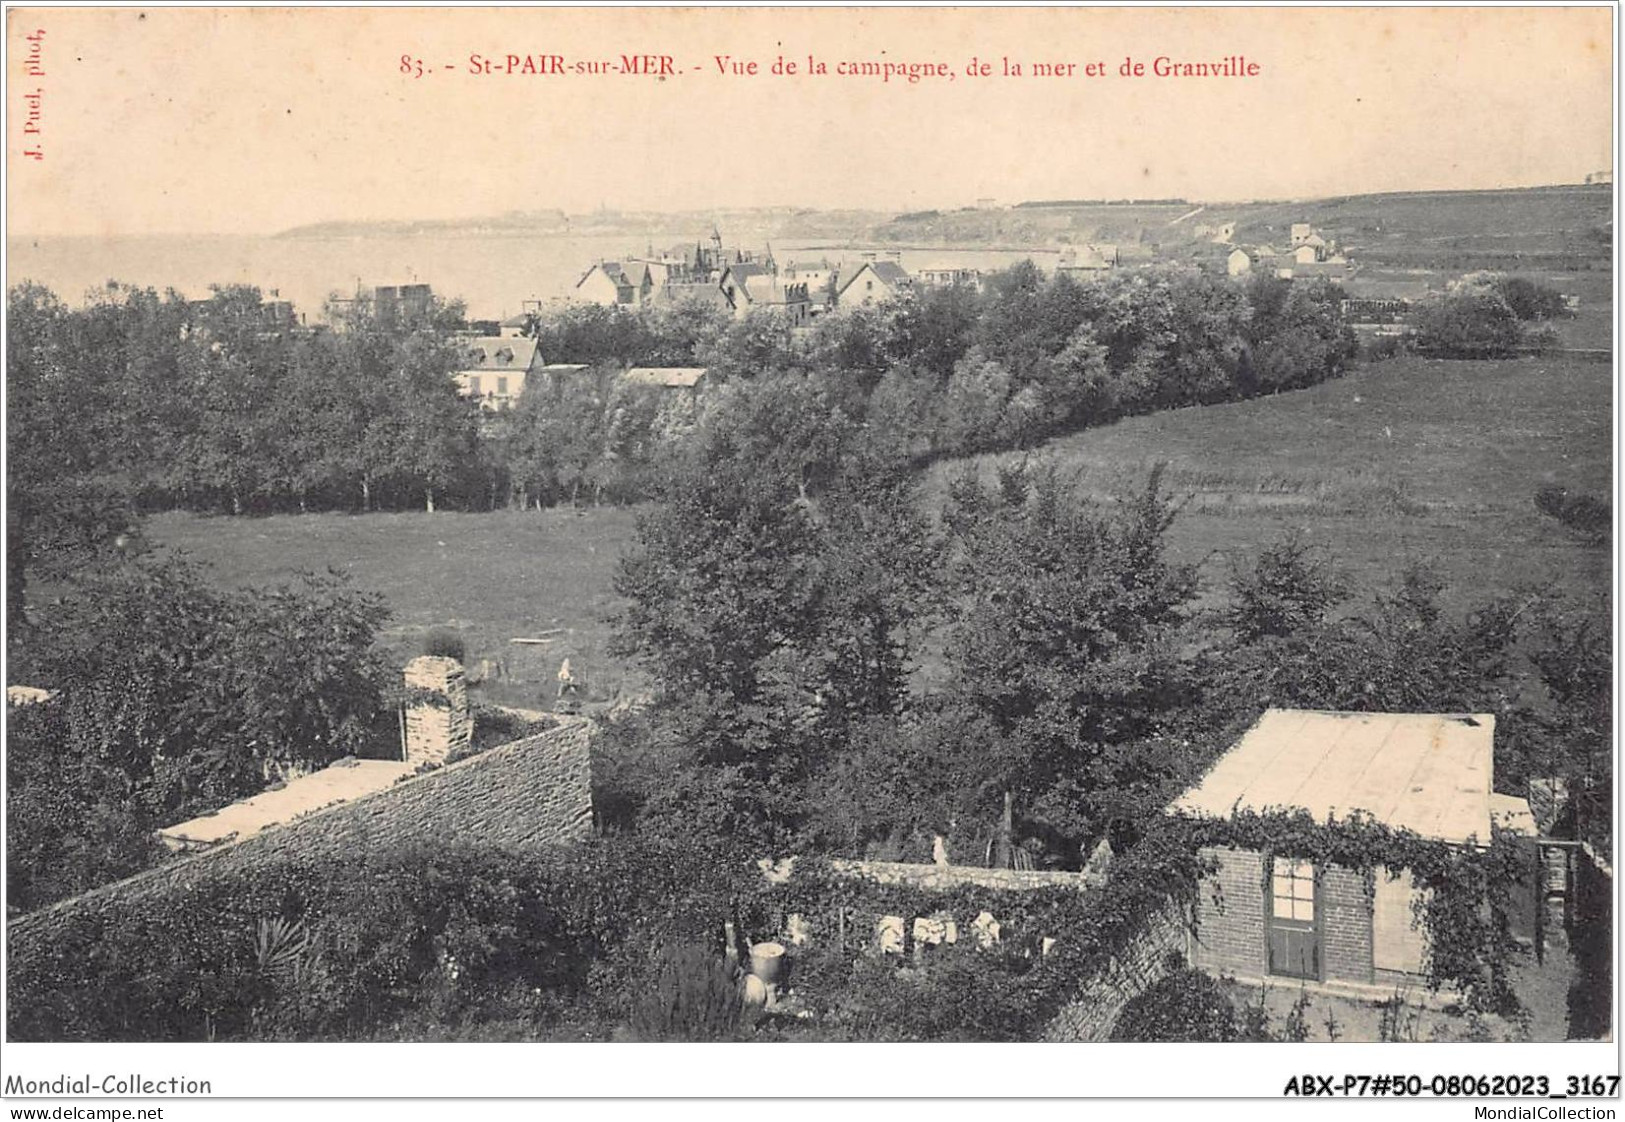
244,121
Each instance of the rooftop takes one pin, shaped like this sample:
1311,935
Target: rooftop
671,376
491,352
1430,773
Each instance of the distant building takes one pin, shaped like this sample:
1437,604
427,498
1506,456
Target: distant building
494,369
1381,307
606,283
1238,263
822,281
875,282
692,292
747,286
1087,259
514,327
402,303
667,377
948,276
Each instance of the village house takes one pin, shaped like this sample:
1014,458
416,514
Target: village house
1429,773
875,282
606,283
687,378
494,369
1086,259
749,285
947,276
401,303
822,281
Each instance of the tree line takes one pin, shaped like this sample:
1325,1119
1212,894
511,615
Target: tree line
843,667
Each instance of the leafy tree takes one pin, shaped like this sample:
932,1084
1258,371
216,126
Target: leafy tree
172,698
1288,591
931,330
1295,336
1469,324
973,407
1529,299
722,576
67,501
1064,639
759,344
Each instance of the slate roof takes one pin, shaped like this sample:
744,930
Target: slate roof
1426,772
495,353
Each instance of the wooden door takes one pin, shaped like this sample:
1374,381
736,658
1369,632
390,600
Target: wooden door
1294,928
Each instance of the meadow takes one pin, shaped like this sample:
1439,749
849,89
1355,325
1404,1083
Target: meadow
1408,459
491,577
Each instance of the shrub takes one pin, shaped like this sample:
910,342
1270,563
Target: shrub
690,995
1529,300
1587,515
443,642
1185,1005
1472,324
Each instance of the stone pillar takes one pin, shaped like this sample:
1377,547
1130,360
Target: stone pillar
438,721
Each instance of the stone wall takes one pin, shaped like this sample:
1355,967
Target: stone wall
1090,1015
941,878
532,792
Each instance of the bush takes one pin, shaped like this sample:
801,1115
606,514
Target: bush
1472,324
1529,300
444,942
443,642
690,995
1587,515
1185,1005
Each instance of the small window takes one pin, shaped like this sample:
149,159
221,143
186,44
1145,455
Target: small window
474,385
1293,889
869,286
502,385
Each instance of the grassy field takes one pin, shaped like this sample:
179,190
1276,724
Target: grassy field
492,577
1408,459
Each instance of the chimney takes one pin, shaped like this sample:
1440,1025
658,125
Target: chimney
438,721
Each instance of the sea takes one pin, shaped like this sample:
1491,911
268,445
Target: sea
496,276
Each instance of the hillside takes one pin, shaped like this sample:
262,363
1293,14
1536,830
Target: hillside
1542,227
1554,227
1405,460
